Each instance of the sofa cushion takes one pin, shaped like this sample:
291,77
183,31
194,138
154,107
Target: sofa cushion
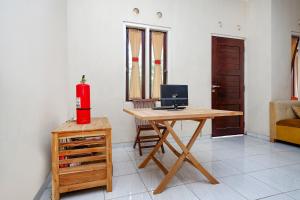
289,122
296,110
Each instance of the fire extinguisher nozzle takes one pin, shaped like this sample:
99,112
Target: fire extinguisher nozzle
83,80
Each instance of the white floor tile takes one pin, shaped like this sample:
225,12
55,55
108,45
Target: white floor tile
90,194
205,146
249,141
288,157
135,155
120,155
126,185
294,194
249,187
167,159
279,179
152,179
201,146
207,191
224,154
141,196
189,174
268,160
124,168
245,164
150,166
278,197
175,193
292,170
284,147
255,150
204,156
220,169
128,147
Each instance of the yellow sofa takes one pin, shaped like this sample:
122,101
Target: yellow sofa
284,124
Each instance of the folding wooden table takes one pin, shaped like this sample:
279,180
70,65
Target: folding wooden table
168,118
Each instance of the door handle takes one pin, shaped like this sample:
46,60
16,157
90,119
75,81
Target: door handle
216,86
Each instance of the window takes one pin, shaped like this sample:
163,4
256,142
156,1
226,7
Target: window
145,74
160,60
135,64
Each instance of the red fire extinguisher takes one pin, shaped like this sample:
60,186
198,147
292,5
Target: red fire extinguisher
83,107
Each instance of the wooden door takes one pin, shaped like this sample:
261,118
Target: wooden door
227,84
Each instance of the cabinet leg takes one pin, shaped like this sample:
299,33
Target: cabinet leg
55,167
109,162
55,191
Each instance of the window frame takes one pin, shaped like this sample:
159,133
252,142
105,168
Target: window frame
165,64
142,67
146,86
294,93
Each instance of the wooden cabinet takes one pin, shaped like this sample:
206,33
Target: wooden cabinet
81,156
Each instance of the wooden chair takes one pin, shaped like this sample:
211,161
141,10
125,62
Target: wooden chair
142,125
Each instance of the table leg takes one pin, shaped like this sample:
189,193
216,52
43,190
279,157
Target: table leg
198,166
185,155
169,175
190,158
156,148
166,141
160,165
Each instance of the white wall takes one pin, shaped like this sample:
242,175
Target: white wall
285,17
270,25
33,41
33,91
96,43
258,70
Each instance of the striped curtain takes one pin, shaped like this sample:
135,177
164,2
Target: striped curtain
157,42
135,38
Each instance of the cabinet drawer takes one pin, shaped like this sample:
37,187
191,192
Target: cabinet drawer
82,177
67,135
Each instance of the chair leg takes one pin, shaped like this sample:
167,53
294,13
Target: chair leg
162,149
140,148
162,146
137,137
138,141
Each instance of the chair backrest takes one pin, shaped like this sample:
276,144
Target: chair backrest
143,103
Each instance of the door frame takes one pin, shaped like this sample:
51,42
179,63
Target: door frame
244,77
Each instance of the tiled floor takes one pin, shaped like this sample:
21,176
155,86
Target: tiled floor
247,168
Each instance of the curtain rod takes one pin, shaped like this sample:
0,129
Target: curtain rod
143,24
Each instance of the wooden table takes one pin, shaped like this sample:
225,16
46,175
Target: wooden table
81,156
168,119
